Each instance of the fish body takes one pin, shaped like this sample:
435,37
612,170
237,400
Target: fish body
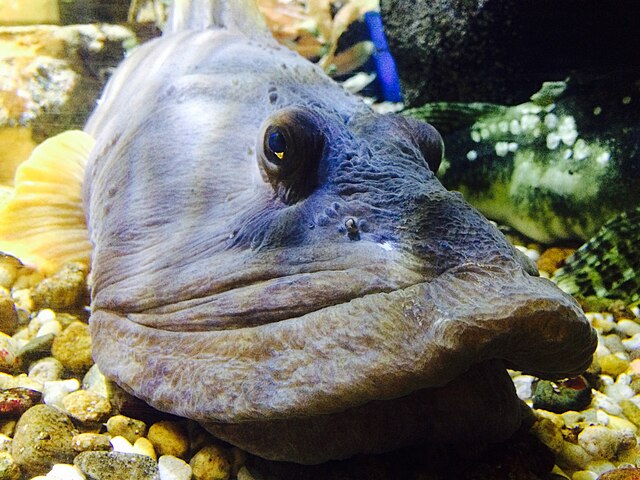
555,168
276,261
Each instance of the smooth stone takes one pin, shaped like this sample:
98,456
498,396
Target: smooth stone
548,432
46,369
613,343
619,391
572,456
116,466
631,411
8,314
143,446
64,290
53,327
129,428
42,438
244,474
559,397
210,463
174,468
628,327
614,364
73,347
122,445
599,441
524,386
88,442
169,438
36,348
55,391
584,475
633,343
64,471
86,406
600,400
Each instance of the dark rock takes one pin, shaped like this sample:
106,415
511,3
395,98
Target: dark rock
37,348
116,466
501,50
559,397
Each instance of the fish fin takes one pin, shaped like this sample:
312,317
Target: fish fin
242,15
42,223
448,117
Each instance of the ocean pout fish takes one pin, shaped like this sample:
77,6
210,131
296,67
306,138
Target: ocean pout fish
276,261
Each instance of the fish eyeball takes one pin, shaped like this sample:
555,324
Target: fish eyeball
290,146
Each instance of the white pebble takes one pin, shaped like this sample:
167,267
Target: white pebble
121,444
572,418
22,299
584,475
96,382
523,386
46,315
628,327
619,392
46,369
62,471
244,474
607,380
49,327
602,418
632,343
173,468
26,382
56,390
601,442
600,400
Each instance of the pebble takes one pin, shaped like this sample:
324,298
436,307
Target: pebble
9,360
116,466
86,406
144,447
129,428
95,381
55,391
72,347
244,474
600,400
16,401
42,438
5,443
85,442
603,443
64,471
631,411
64,290
8,314
602,323
8,468
628,327
53,327
573,456
633,343
173,468
22,299
169,438
619,391
36,348
46,369
524,386
613,343
210,463
626,473
614,363
584,475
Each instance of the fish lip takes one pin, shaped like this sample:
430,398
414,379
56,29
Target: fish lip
334,359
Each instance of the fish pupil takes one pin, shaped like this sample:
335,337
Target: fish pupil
277,144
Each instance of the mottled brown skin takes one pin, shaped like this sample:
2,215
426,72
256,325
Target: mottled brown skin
333,301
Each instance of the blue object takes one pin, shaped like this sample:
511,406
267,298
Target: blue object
387,74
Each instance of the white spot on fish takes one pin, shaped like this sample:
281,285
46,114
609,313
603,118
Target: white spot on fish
603,158
484,133
550,108
472,155
581,150
567,154
513,146
502,148
567,130
493,128
551,121
475,136
553,140
626,100
529,122
597,111
514,127
503,126
386,246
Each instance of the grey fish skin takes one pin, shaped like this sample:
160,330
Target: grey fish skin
278,262
556,168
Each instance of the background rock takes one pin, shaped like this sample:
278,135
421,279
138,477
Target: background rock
502,50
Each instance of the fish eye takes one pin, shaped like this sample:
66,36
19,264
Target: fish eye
277,144
291,144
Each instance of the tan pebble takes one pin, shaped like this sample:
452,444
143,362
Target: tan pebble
629,456
169,438
22,299
8,314
7,381
85,442
129,428
600,466
65,289
548,433
584,475
572,456
7,427
600,442
631,411
628,327
553,258
5,443
72,347
619,423
614,364
211,463
86,406
144,447
8,468
9,360
121,444
635,366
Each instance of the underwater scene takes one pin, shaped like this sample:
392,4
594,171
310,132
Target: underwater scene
319,239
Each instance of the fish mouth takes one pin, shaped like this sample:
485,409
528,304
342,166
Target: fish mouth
375,347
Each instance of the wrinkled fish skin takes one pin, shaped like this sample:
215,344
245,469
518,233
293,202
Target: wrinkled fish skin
278,262
555,168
